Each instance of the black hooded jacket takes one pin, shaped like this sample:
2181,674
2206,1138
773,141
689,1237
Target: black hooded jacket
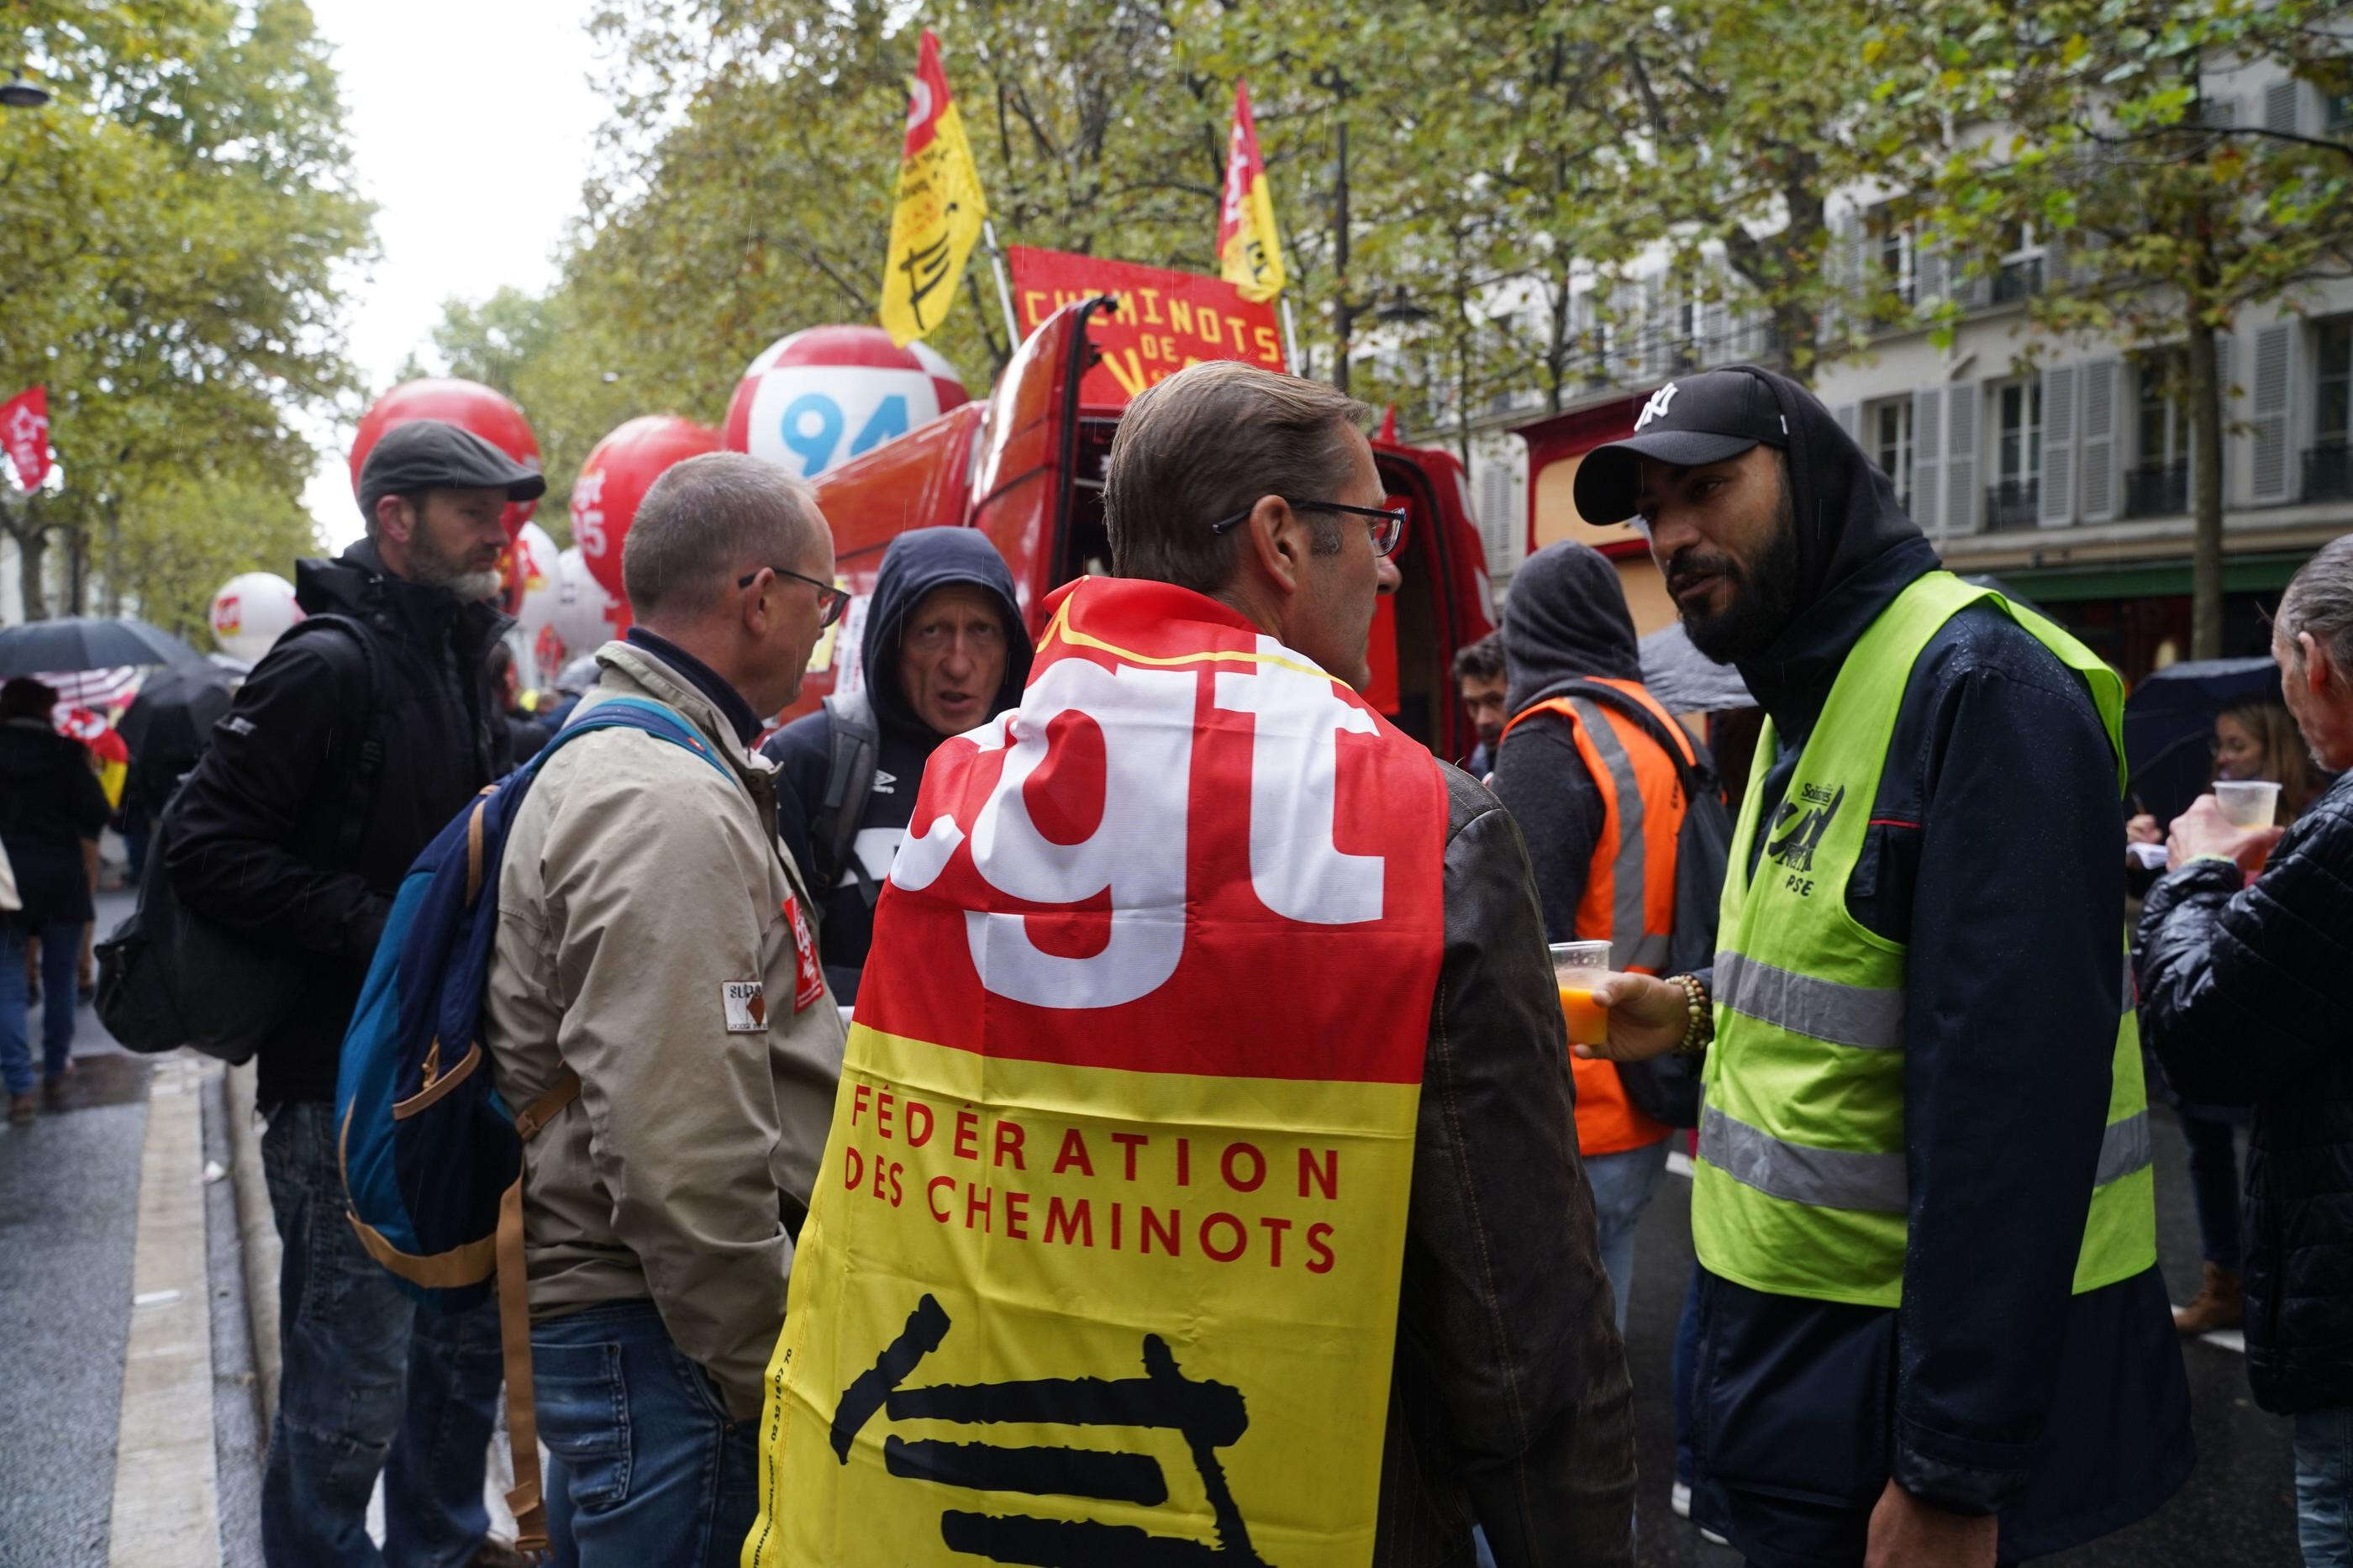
1565,619
256,836
1994,853
917,561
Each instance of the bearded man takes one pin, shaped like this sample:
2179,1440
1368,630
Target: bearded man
1932,1331
353,741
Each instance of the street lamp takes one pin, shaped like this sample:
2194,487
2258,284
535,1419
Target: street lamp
18,93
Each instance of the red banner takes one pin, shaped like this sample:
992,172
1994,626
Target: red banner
24,432
1166,320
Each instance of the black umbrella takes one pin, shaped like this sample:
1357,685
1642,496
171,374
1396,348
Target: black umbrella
174,714
2169,727
85,642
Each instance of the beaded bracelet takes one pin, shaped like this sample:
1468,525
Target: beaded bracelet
1702,1027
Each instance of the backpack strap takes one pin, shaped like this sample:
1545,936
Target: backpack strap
855,752
373,749
527,1500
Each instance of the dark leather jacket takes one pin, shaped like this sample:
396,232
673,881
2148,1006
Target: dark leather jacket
2243,998
1510,1403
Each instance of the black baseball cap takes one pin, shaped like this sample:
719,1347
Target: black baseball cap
434,455
1696,420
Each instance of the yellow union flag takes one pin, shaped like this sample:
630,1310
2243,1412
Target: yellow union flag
938,219
1250,252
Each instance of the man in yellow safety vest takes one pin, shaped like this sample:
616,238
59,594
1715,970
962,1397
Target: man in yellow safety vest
1932,1329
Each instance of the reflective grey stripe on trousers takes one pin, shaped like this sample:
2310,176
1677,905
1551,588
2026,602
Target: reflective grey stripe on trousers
1842,1179
1866,1017
1630,946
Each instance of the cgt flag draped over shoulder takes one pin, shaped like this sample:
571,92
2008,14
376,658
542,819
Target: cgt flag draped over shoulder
1250,251
940,209
1102,1262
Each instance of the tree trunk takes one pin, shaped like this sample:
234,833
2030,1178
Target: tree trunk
1344,313
78,572
32,555
2206,465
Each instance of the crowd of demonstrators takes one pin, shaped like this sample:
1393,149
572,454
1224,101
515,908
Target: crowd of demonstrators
1600,803
942,652
2245,943
653,959
1479,677
346,751
52,809
1932,1326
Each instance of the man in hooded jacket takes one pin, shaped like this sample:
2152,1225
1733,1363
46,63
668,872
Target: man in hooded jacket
1567,622
944,651
1932,1329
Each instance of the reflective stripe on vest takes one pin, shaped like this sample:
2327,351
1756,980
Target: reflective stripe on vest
1630,884
1800,1186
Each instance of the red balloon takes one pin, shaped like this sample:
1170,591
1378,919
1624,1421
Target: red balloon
615,479
468,404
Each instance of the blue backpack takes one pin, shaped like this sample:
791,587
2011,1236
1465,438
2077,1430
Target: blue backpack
432,1155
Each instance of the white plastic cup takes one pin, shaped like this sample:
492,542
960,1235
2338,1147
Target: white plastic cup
2247,803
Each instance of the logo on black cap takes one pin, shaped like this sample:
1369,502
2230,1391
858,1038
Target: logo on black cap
1657,407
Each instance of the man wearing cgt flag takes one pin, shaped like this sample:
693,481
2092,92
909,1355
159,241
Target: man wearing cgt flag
1203,1183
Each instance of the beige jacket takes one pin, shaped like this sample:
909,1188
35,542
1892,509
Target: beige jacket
644,942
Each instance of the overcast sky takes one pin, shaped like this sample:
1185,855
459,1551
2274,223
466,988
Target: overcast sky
471,122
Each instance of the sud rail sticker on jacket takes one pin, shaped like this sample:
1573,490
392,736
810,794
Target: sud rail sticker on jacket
1102,1263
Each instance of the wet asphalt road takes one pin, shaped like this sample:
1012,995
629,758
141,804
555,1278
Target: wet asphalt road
68,1197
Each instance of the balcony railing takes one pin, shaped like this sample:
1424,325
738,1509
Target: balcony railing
2013,504
2328,472
2157,490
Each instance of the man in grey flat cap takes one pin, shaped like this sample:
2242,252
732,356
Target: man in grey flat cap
365,729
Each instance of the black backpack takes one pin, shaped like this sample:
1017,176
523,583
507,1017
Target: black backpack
169,976
1667,1089
855,749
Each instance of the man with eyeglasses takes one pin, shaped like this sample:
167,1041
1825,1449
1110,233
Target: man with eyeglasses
942,651
1209,1082
656,942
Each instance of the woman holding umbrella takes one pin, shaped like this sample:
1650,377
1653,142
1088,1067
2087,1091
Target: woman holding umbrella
51,805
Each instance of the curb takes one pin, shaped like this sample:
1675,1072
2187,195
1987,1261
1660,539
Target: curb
257,1231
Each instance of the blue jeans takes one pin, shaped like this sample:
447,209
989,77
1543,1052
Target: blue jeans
60,951
1683,1372
2214,1186
369,1384
1622,1184
2324,1487
647,1467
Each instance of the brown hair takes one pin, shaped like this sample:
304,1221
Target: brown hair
1208,442
2285,760
708,518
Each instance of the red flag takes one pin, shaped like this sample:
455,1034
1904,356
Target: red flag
24,432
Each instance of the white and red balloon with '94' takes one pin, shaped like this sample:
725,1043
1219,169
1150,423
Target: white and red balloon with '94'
470,405
817,399
619,470
251,611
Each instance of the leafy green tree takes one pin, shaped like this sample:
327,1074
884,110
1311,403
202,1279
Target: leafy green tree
2171,221
183,537
170,228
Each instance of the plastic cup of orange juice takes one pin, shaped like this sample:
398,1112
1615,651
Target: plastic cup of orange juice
1576,968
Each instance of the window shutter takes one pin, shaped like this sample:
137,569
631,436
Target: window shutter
1927,405
1928,272
2098,430
2056,506
2280,103
2274,384
2220,113
1496,512
1626,330
1963,500
1848,416
1715,333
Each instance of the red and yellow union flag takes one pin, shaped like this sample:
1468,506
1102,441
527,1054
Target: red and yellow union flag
1249,251
940,210
1102,1262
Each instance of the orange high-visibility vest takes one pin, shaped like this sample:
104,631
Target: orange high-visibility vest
1630,884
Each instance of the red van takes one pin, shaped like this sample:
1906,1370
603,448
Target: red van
1026,466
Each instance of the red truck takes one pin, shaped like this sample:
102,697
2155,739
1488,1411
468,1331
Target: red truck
1026,466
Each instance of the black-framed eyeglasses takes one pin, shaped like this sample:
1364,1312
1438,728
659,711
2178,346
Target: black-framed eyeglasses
1386,524
830,601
